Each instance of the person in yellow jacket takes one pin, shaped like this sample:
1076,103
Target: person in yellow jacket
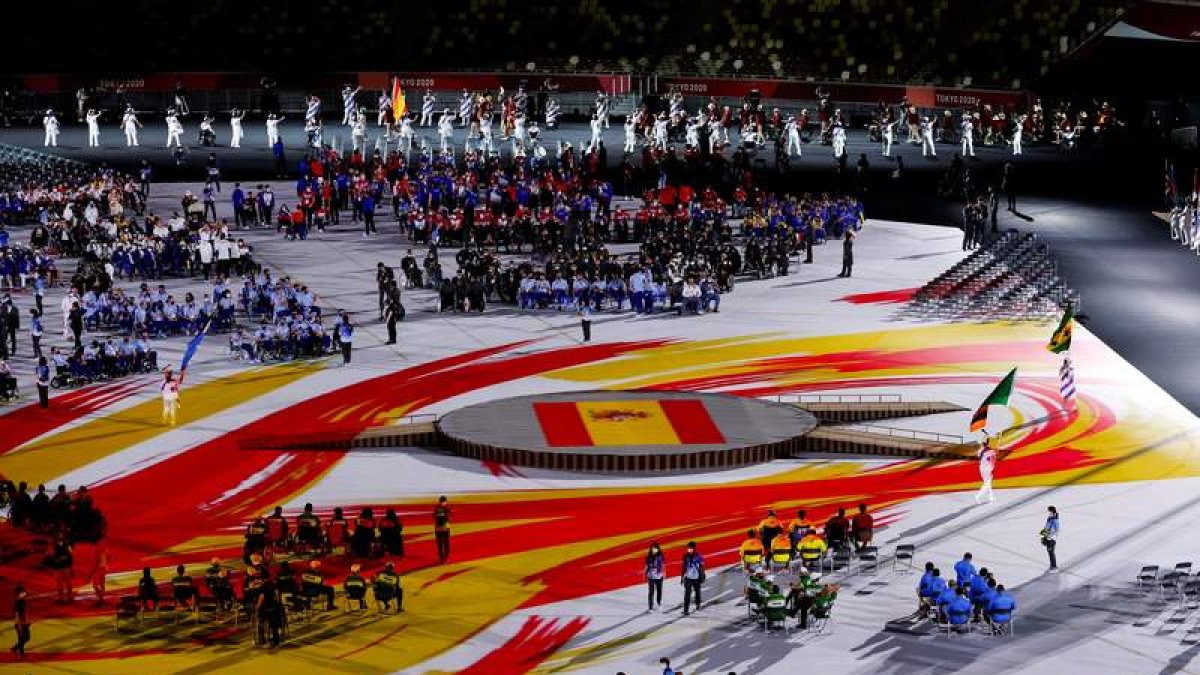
799,526
768,528
781,551
810,549
752,551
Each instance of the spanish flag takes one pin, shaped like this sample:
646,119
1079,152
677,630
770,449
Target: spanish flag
399,105
1060,341
628,422
999,396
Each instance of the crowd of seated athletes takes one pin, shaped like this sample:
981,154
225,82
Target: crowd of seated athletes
98,361
971,596
74,517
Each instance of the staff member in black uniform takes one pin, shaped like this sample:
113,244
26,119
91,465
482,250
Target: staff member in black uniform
848,253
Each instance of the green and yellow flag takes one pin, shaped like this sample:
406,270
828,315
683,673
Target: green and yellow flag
1061,340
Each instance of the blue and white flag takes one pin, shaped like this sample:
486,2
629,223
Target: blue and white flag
1066,387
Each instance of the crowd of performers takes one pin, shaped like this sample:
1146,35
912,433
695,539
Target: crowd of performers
488,119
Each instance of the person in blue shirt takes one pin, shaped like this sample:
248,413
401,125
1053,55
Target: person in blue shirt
585,320
964,571
345,337
923,588
981,595
238,197
1001,608
691,576
1050,536
43,382
368,215
958,609
945,598
935,588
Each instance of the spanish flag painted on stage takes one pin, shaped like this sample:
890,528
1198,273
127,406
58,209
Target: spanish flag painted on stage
628,422
399,105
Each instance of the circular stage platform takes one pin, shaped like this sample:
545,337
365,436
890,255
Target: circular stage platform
618,431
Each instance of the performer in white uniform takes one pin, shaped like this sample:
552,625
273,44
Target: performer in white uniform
553,110
130,124
358,131
793,137
446,130
630,134
927,149
235,127
174,129
50,124
839,140
1017,134
170,396
597,131
987,466
889,137
406,133
968,136
427,103
93,125
273,121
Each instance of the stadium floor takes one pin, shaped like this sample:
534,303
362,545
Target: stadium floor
545,571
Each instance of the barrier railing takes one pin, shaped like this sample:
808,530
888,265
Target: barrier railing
838,398
913,434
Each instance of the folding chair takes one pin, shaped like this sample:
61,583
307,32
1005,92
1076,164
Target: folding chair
819,617
772,616
842,558
128,607
868,555
905,553
1191,592
1171,581
1183,569
1005,627
1148,575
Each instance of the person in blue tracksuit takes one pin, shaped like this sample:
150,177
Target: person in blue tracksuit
958,609
1001,608
964,571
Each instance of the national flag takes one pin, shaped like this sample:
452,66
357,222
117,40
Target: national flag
399,105
1170,189
1060,341
627,422
1066,387
192,346
999,396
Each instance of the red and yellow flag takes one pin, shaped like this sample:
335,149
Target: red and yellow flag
399,105
628,422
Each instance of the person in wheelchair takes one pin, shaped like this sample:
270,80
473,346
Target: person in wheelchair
183,588
387,588
8,383
355,587
312,582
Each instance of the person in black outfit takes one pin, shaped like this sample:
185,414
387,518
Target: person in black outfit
993,203
270,614
1008,183
20,621
148,591
12,323
810,236
847,253
43,382
391,314
75,321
